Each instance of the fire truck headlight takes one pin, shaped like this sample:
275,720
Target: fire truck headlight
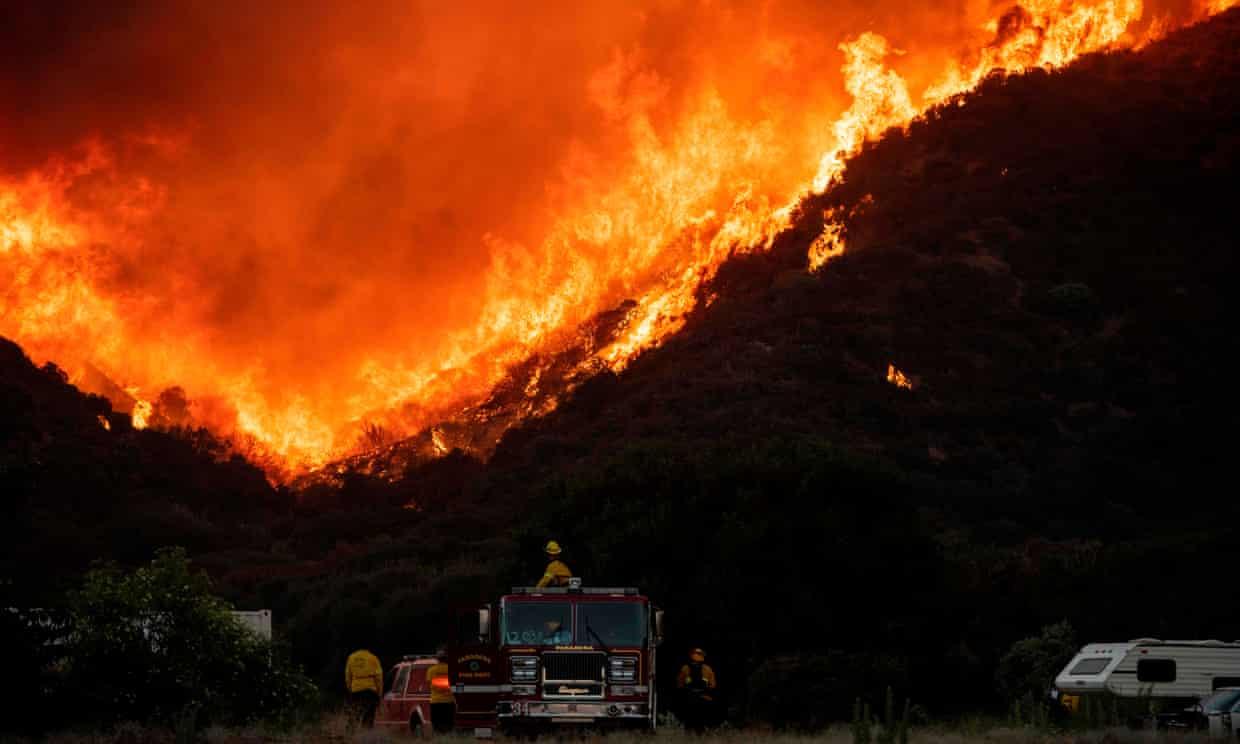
622,668
524,668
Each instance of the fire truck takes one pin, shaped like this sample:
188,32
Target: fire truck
556,657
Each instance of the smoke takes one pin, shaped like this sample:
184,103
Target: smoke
300,196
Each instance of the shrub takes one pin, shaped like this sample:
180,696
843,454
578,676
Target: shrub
1027,671
156,645
810,691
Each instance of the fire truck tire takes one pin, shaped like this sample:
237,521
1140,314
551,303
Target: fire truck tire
415,726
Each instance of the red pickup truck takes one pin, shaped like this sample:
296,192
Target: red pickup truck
407,696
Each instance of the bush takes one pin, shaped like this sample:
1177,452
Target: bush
810,691
155,645
1027,671
27,644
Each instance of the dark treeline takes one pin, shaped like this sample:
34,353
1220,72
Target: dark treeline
1050,263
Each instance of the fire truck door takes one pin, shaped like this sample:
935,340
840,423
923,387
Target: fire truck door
475,670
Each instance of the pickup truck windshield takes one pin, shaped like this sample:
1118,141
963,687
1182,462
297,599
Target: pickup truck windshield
612,623
1223,700
537,624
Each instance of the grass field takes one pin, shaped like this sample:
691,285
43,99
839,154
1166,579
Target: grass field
336,729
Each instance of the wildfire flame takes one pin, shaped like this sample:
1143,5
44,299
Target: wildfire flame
141,414
716,181
898,378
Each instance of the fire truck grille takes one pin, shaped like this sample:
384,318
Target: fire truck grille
578,667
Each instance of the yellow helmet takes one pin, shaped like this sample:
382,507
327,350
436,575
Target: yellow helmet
697,655
553,548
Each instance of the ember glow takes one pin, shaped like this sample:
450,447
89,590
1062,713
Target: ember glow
331,228
898,378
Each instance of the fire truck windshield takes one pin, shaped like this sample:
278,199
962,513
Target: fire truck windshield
611,623
537,623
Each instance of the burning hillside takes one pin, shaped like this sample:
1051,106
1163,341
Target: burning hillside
322,231
1004,394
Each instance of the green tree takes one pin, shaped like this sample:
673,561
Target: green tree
1027,671
155,644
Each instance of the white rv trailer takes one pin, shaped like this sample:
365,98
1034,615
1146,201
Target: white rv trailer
1148,667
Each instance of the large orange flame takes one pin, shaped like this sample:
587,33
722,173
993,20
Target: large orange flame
693,190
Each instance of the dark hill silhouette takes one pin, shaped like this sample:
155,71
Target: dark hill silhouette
80,483
1050,262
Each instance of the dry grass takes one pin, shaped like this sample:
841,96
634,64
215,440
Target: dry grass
336,729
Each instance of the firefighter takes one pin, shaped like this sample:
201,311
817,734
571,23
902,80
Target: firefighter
697,684
557,574
554,633
363,679
443,704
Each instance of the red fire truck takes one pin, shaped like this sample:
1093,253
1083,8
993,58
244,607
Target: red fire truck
542,658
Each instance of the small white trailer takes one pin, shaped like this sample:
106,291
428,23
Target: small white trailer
257,621
1152,668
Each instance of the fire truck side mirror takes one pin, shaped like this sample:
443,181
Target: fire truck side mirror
658,627
484,623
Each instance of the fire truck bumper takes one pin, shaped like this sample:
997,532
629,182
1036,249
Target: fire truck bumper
573,713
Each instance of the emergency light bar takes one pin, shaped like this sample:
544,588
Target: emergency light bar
628,591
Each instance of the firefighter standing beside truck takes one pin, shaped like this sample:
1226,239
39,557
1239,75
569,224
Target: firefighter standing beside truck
363,678
697,684
443,704
557,574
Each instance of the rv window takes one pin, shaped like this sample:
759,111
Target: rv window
1220,682
1089,666
1156,670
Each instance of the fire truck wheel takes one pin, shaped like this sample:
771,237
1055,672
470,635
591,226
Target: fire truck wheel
415,726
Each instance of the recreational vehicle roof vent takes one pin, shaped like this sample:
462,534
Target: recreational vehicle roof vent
1146,640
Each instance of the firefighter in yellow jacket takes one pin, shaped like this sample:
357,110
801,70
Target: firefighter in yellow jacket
557,574
697,685
363,679
443,704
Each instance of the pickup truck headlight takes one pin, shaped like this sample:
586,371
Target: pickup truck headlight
524,668
622,669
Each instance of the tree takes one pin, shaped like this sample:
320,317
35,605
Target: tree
155,644
1027,671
